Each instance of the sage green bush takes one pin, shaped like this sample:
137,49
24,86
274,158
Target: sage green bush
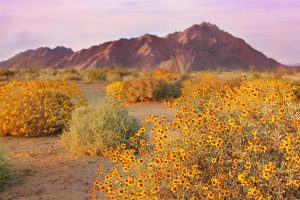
96,129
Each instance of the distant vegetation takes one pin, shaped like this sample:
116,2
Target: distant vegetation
112,75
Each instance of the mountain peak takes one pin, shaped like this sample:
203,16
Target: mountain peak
211,46
201,27
147,36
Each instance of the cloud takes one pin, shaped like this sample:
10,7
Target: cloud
271,26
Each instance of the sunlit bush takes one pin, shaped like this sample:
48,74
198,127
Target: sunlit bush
241,143
96,129
116,91
143,89
36,108
200,82
4,172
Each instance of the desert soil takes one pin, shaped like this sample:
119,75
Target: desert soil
42,169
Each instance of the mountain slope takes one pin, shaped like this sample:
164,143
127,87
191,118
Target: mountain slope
42,57
205,46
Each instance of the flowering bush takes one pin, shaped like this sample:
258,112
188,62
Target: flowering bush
207,82
142,89
96,129
241,143
116,91
35,108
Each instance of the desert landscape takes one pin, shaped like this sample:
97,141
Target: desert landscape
138,100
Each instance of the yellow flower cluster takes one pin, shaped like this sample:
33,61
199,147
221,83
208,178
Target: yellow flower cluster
229,143
115,90
34,108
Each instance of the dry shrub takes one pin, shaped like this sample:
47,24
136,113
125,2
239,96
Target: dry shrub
36,108
241,143
96,129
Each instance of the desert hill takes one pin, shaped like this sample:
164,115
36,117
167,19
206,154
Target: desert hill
203,46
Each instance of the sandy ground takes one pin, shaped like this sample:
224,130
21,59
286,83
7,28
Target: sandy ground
42,169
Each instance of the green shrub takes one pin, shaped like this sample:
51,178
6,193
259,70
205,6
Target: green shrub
4,172
168,90
98,128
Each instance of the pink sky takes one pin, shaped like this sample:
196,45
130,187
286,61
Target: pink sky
270,26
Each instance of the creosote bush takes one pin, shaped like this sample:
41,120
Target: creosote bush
226,143
36,108
4,172
95,129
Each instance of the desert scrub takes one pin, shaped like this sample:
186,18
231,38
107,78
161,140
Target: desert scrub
97,128
241,143
36,108
96,75
143,89
107,74
4,172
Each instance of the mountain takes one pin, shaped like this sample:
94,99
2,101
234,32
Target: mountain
43,57
198,47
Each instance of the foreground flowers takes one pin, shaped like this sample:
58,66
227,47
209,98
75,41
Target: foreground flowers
232,143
